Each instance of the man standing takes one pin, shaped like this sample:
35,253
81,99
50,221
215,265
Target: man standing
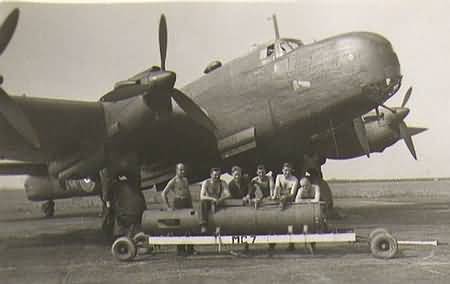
307,192
214,190
286,185
122,194
179,186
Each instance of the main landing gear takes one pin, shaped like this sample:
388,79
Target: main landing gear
48,208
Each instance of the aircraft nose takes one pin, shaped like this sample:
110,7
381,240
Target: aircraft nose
379,74
381,54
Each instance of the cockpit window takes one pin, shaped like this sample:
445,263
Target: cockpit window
267,52
270,50
279,48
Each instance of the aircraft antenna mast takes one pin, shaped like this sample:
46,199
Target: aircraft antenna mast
275,26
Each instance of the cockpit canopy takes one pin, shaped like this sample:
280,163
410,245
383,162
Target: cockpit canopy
279,48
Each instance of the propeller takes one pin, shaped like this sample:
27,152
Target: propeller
405,135
381,104
399,125
406,97
15,116
156,84
9,109
192,109
163,41
6,32
396,122
7,29
361,134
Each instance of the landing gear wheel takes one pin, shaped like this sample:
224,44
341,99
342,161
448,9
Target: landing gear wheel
124,249
376,232
383,245
48,208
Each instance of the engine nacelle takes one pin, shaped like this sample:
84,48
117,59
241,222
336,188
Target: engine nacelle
42,188
344,143
124,116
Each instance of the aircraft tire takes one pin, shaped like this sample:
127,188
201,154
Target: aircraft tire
376,232
384,245
124,249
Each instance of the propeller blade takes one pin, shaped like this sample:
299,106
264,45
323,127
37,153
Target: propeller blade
7,29
388,108
406,97
361,133
404,134
163,41
17,119
416,130
192,109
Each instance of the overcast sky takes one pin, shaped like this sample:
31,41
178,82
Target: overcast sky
80,51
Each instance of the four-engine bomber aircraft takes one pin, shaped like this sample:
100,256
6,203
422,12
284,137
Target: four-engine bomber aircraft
283,101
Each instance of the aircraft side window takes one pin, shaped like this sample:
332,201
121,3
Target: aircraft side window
285,47
293,44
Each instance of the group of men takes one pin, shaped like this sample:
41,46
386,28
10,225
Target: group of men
125,202
215,190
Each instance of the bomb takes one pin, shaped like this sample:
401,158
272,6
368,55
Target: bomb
236,219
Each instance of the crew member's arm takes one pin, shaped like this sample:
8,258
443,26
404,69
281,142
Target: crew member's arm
316,194
165,192
271,186
204,193
252,188
225,192
293,188
277,187
298,197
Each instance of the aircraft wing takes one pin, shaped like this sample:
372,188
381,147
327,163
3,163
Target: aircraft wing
22,168
58,127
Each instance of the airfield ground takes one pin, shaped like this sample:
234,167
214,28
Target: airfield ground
69,248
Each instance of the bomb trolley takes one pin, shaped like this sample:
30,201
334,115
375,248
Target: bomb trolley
242,225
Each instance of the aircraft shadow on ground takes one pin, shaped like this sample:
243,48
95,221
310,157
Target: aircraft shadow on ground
72,237
56,217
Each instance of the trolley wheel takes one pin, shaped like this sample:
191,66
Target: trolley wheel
376,232
383,245
140,239
141,243
124,249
